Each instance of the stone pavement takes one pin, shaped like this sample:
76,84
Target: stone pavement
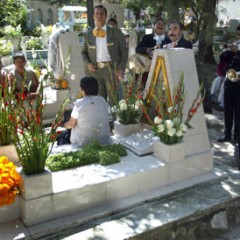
209,210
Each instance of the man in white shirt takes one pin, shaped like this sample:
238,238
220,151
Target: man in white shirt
89,117
104,50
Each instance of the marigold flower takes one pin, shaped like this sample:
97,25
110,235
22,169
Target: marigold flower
9,181
64,84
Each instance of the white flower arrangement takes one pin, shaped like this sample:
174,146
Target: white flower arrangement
11,31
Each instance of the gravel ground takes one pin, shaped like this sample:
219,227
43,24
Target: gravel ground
223,158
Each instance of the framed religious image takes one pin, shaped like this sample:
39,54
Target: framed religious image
158,86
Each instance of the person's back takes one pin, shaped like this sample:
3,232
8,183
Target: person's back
92,120
89,117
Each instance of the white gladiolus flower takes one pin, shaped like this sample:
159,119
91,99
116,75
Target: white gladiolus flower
114,109
44,71
123,106
169,123
132,106
170,109
138,103
158,120
123,101
160,128
179,133
136,108
183,127
171,132
176,120
34,54
73,77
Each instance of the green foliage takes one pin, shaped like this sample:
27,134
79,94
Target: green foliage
6,47
128,109
107,157
116,148
90,153
13,12
32,141
34,43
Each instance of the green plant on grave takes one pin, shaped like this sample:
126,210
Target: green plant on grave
7,102
127,104
6,47
32,141
90,153
11,31
34,43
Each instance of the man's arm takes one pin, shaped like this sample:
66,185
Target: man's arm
71,123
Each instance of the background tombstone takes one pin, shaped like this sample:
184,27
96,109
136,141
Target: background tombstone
172,63
70,39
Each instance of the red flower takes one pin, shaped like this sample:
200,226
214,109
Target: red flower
10,117
53,137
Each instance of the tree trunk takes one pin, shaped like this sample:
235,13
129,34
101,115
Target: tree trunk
172,7
206,33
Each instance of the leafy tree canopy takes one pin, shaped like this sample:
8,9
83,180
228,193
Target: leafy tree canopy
13,12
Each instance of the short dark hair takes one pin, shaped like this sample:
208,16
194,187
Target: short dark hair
112,20
101,6
18,55
238,28
178,23
89,85
158,19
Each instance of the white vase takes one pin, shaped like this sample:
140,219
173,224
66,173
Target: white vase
7,60
126,130
169,153
10,152
36,185
45,39
15,41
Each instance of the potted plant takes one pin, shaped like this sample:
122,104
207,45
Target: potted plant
32,141
169,125
126,95
13,34
33,43
6,48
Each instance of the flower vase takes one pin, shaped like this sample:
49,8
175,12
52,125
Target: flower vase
36,185
7,60
10,152
15,41
45,38
169,153
126,130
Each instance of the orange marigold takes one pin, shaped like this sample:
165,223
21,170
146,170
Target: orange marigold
9,181
64,84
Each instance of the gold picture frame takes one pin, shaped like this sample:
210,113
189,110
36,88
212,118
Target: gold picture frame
159,67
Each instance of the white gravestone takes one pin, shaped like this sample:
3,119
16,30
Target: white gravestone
173,63
70,39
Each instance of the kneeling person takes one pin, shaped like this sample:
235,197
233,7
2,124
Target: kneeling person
89,118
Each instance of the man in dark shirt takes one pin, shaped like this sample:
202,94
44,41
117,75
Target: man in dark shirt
175,34
231,93
154,40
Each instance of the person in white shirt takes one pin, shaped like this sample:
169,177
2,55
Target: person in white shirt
89,117
104,52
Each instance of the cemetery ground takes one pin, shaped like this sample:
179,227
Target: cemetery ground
224,161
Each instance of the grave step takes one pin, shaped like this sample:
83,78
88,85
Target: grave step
193,210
